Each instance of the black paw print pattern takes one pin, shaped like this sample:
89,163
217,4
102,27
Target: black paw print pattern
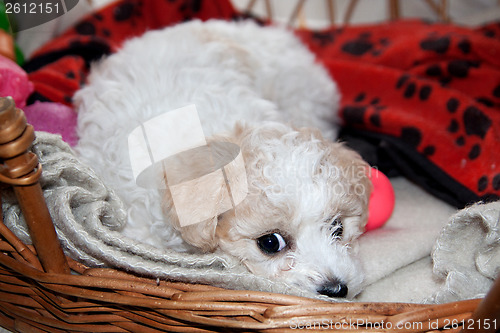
326,37
413,137
410,88
130,11
493,100
454,69
491,30
470,123
365,44
440,44
191,7
435,43
447,70
361,106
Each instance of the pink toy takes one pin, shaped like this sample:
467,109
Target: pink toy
382,200
14,82
54,118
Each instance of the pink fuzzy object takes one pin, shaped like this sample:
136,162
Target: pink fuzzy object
14,82
382,200
53,118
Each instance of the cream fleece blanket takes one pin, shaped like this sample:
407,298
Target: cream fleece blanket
430,253
427,252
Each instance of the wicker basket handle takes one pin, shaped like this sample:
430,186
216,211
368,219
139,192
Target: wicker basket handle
21,170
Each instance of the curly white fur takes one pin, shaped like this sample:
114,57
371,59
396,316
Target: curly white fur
250,84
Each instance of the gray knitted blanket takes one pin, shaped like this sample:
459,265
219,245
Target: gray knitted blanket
89,216
446,258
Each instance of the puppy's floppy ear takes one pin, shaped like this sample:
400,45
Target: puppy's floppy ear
200,235
197,191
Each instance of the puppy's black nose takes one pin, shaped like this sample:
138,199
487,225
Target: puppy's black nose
334,289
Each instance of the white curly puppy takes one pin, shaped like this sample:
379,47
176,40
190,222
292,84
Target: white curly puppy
307,196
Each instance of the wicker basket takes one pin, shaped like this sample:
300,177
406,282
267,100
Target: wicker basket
41,290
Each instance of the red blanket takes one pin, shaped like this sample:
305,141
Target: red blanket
418,98
426,97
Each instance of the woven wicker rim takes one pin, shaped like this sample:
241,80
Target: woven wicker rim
107,300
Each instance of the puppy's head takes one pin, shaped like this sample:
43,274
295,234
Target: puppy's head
307,200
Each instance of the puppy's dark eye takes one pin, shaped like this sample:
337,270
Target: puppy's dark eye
337,228
271,243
